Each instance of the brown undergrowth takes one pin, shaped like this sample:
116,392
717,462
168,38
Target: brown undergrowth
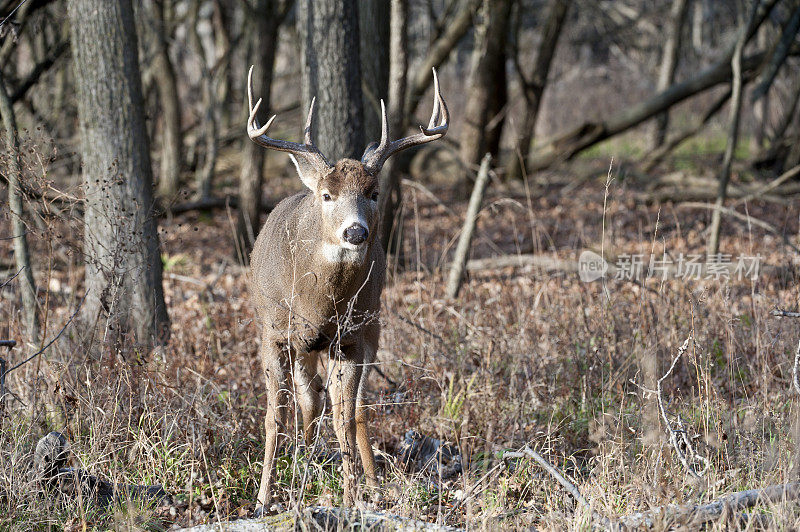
522,357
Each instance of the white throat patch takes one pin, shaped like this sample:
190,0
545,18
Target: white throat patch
339,253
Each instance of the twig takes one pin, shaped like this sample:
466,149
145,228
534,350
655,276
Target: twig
555,473
425,190
382,374
472,489
796,370
11,279
775,183
417,326
9,344
785,313
689,453
57,336
12,12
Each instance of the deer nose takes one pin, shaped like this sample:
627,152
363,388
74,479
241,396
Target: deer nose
355,234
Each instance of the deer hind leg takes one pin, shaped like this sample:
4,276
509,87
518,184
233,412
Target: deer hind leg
275,372
308,389
362,419
344,376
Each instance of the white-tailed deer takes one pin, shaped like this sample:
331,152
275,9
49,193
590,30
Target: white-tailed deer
317,277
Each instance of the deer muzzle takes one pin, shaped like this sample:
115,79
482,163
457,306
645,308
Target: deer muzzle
355,234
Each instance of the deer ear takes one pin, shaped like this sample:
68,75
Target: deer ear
309,174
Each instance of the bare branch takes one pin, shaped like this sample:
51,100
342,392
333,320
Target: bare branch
785,313
779,56
56,337
669,517
687,454
796,369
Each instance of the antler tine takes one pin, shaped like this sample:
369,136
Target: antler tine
435,113
258,134
384,126
308,136
250,89
374,156
439,106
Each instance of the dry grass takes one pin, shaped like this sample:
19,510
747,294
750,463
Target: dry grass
521,357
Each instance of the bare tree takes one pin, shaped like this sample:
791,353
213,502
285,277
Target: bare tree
533,85
123,262
733,129
486,88
268,16
373,26
331,72
22,257
669,64
391,194
578,138
455,28
210,120
164,77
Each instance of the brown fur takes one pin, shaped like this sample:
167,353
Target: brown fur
312,310
351,175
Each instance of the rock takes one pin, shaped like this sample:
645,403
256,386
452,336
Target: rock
49,468
51,454
439,458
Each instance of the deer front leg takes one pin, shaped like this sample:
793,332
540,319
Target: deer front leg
308,389
345,375
275,374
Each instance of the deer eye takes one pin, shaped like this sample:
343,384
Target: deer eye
374,196
326,197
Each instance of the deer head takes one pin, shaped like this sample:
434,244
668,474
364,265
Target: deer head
346,193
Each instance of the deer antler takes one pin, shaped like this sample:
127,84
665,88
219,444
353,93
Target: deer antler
376,154
305,154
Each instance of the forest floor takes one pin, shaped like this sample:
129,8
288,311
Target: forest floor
522,356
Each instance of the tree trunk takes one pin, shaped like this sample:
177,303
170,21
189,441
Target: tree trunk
391,192
123,261
778,143
698,17
733,138
22,256
438,53
331,72
251,178
760,106
456,275
669,64
166,84
163,74
533,86
204,174
567,145
373,25
486,88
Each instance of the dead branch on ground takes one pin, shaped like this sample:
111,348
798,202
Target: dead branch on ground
796,370
692,516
